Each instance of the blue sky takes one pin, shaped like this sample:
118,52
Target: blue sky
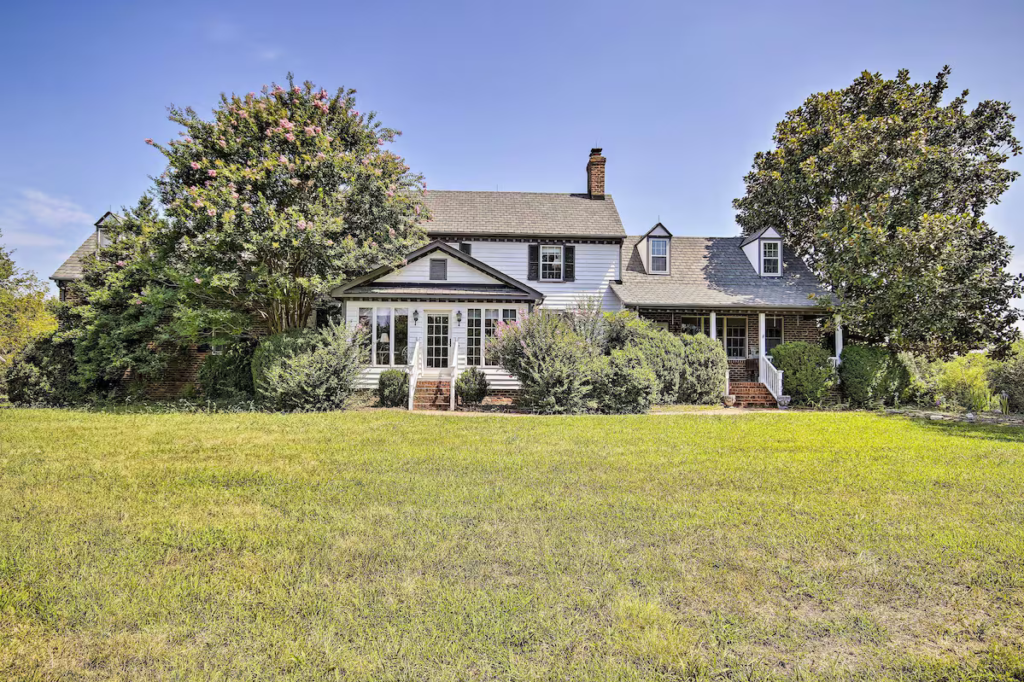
506,95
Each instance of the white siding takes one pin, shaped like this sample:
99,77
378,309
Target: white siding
419,271
597,266
497,378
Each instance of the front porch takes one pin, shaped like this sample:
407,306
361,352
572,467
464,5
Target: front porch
749,335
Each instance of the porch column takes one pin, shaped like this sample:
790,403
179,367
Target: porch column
714,327
839,339
760,347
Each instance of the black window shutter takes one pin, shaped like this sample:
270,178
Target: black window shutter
466,248
438,269
570,263
533,271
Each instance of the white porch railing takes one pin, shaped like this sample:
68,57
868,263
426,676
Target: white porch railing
770,376
455,375
414,375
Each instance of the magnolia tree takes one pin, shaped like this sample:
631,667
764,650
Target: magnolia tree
279,198
881,188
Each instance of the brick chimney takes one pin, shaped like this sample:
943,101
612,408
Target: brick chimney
595,174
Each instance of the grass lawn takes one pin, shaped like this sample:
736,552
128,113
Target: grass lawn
387,546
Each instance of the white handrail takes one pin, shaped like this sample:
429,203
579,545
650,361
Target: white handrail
414,375
455,375
771,377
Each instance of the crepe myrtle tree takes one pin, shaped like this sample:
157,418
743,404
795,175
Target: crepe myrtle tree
881,189
280,197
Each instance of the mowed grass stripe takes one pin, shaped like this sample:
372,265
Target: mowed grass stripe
387,545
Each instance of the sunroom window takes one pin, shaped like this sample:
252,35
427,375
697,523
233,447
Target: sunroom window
482,324
387,336
659,256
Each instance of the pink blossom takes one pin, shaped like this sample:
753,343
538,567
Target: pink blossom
380,140
195,166
391,232
417,210
270,131
309,131
211,211
212,173
290,137
282,159
373,244
149,140
188,139
121,264
355,113
296,89
301,225
321,155
197,280
234,195
286,124
137,302
243,114
247,208
222,143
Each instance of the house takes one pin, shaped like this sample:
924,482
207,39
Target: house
496,256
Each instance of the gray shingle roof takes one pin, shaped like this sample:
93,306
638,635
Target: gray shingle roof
714,272
522,214
72,267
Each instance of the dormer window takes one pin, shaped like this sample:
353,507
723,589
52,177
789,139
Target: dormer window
659,256
771,259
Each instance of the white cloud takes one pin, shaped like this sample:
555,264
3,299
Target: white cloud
34,219
270,54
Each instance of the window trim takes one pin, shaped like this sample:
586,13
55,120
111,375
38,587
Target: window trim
561,263
392,332
482,349
725,335
782,331
778,257
651,256
430,270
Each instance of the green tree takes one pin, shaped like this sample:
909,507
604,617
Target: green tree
881,189
279,198
126,323
23,310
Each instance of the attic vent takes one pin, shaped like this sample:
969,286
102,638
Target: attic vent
438,269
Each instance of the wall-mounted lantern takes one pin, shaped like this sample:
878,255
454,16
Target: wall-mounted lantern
415,317
458,318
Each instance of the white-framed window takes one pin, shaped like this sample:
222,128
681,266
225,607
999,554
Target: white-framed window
482,324
732,332
773,333
659,255
387,344
551,263
771,259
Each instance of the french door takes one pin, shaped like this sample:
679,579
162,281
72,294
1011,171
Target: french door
437,340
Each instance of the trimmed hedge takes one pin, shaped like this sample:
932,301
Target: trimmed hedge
471,386
807,374
871,376
623,382
393,388
704,365
308,370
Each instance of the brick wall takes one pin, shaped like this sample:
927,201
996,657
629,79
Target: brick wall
794,328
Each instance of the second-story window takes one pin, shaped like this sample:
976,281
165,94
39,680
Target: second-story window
551,263
771,260
659,256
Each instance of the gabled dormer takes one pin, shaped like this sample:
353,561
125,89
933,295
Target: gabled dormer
655,250
764,251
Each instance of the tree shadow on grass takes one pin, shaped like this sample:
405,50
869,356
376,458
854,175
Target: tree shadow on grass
1005,434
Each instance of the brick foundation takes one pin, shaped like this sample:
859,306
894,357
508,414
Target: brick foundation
505,396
